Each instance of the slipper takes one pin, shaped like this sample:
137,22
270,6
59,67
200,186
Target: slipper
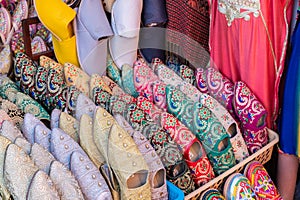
5,24
92,30
5,60
124,44
59,24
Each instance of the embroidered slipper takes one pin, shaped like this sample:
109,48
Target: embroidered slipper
16,114
77,77
202,122
18,185
38,45
221,88
6,60
238,187
157,172
248,108
20,13
5,24
261,182
212,194
92,183
41,157
65,182
4,142
252,115
41,186
201,80
190,146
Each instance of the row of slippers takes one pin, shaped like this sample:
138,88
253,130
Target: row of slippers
166,150
237,98
152,84
255,183
46,157
83,84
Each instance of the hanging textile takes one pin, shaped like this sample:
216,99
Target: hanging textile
290,117
248,42
188,30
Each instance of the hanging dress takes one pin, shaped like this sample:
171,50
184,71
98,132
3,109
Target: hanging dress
290,115
248,41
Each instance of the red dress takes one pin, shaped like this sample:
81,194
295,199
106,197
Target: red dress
248,40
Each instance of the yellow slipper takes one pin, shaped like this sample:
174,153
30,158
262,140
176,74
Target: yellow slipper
57,17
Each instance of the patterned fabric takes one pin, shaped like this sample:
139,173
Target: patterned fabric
256,140
72,95
201,169
113,72
261,181
47,62
187,74
13,112
56,91
97,81
159,95
5,24
252,115
28,105
101,97
27,79
188,21
116,90
4,117
7,87
143,79
20,13
173,63
205,126
5,59
41,83
221,88
163,144
17,42
127,80
21,60
201,80
238,187
212,194
76,76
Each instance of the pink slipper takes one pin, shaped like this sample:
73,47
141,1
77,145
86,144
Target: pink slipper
5,24
221,88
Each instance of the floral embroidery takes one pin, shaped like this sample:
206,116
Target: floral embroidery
236,9
138,115
170,121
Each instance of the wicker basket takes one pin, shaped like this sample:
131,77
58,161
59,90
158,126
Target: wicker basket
263,156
